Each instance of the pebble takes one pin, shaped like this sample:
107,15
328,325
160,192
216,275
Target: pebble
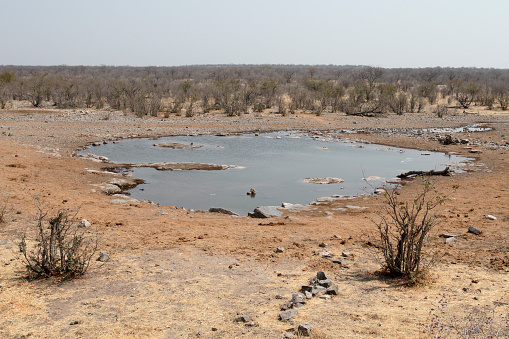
490,217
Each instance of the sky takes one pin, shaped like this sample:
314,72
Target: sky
381,33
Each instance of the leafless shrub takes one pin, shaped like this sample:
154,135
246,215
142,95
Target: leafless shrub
4,208
403,228
60,250
479,323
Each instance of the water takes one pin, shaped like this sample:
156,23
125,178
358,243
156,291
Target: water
274,164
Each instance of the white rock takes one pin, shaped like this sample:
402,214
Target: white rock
84,223
491,217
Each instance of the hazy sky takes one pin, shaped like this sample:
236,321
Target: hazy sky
385,33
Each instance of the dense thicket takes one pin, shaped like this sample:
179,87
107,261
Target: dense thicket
235,89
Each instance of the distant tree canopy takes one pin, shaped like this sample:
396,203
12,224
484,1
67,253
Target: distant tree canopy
235,89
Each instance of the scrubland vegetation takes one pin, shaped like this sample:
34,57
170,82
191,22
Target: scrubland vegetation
234,90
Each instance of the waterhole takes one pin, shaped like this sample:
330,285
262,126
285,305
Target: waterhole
275,165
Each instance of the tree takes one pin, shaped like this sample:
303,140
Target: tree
466,93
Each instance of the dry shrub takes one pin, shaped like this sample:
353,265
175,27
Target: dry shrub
403,228
61,248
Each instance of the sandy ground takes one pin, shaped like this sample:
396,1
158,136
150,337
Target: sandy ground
175,273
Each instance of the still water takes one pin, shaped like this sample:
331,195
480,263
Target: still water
274,164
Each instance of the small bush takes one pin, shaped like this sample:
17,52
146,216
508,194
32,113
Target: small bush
403,228
4,208
60,250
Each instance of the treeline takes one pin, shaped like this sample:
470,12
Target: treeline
236,89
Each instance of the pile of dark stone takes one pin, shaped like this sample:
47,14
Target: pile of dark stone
319,286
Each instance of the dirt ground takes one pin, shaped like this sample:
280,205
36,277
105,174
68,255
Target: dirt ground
175,273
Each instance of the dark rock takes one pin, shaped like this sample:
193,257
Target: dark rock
474,230
307,288
265,212
221,210
288,315
75,322
304,330
214,329
333,290
103,256
321,276
325,283
323,244
446,235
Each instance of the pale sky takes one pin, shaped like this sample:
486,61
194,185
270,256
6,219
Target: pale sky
384,33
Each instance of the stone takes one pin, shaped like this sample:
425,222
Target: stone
446,235
222,210
75,322
332,290
103,257
450,241
288,315
325,283
123,183
491,217
316,290
84,223
308,295
304,330
326,254
280,249
323,244
8,247
321,276
4,241
265,212
325,297
474,230
346,254
286,306
341,262
244,318
287,335
110,189
298,298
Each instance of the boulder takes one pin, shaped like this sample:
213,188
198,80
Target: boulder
265,212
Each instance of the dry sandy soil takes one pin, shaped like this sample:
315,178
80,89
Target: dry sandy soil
175,273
